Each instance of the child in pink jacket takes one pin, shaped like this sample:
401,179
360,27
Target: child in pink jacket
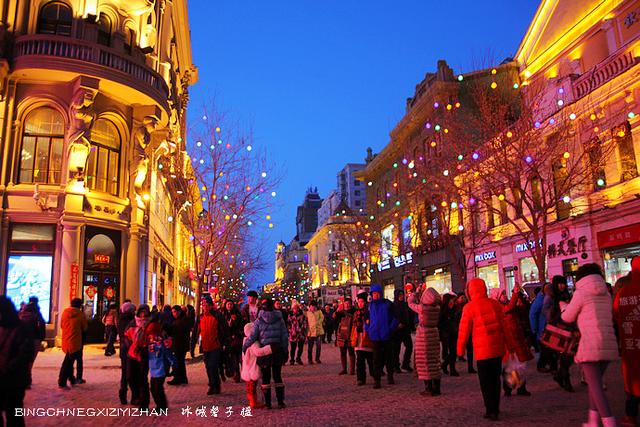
250,370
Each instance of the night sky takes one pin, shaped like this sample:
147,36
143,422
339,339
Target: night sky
320,81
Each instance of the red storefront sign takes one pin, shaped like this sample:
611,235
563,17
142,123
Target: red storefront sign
619,236
109,292
73,285
102,259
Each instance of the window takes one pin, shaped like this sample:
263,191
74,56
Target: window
130,40
358,203
42,141
624,141
596,164
490,218
55,18
502,201
357,192
560,176
517,201
104,30
103,165
356,183
536,192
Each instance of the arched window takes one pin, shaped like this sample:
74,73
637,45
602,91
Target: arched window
42,142
104,29
55,18
130,40
103,165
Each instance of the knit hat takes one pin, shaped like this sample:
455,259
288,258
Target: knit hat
252,294
207,299
363,296
141,308
127,307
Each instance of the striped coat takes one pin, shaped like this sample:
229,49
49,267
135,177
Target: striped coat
427,345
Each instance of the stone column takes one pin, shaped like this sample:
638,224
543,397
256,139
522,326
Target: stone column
132,268
70,253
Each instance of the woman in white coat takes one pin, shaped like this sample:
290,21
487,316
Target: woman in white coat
591,308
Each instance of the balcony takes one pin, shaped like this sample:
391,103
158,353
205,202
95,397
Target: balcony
603,72
78,56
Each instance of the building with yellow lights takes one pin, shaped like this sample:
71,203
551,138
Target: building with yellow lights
93,103
585,55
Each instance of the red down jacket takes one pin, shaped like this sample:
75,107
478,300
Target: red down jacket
484,317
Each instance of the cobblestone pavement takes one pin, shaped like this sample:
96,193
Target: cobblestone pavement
316,395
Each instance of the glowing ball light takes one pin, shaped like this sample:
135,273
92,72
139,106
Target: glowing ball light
528,159
475,156
572,116
566,199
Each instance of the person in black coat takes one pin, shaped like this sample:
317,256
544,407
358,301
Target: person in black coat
35,325
448,327
16,353
232,350
402,335
180,331
127,314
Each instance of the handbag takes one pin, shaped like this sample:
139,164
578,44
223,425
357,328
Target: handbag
562,338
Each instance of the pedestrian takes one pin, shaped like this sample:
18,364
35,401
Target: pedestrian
160,360
73,323
461,301
551,307
250,372
343,317
251,309
179,332
315,331
138,357
427,358
270,330
16,353
127,315
547,360
402,335
212,333
31,316
591,308
448,330
381,325
484,318
297,327
360,340
625,312
328,324
166,318
277,305
110,321
520,354
233,345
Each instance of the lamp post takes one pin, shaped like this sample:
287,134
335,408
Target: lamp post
78,154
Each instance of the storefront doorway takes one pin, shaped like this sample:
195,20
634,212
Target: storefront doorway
101,279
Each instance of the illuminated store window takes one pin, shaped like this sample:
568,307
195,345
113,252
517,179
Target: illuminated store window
42,141
103,165
528,271
55,18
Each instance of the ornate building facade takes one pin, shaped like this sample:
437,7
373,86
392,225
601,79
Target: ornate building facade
94,95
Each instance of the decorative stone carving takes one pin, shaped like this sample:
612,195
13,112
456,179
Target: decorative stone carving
82,116
142,139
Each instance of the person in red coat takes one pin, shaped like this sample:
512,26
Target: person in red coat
627,317
514,335
484,318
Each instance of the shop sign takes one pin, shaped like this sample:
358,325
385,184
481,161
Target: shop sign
567,246
619,236
523,247
102,259
396,261
485,256
73,288
90,291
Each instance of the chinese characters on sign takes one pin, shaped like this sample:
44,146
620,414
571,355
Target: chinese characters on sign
396,261
214,411
102,259
73,288
567,246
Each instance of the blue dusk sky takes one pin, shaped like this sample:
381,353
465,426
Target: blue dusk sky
320,81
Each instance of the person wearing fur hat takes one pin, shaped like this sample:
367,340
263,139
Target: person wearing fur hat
484,318
127,314
381,324
270,329
427,357
250,371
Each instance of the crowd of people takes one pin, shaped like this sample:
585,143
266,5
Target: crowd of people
500,333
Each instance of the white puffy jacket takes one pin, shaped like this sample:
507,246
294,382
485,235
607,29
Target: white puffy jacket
591,308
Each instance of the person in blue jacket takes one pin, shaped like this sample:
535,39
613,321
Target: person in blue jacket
538,321
380,327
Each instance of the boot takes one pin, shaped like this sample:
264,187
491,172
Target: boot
343,362
593,419
428,386
123,396
435,388
376,383
390,379
266,390
280,396
352,366
299,361
252,395
522,390
609,422
628,421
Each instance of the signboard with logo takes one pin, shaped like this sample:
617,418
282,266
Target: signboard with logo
619,236
485,256
73,285
102,259
396,261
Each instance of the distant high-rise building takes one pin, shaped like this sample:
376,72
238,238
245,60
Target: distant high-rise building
350,189
329,205
307,215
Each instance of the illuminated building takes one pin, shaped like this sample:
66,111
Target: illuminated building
94,96
585,55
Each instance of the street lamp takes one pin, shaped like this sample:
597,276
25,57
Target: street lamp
78,154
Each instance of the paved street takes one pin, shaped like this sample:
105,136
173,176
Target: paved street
316,395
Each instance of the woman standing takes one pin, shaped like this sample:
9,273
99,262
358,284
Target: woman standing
110,321
180,331
269,329
427,347
235,334
297,326
360,340
591,307
448,329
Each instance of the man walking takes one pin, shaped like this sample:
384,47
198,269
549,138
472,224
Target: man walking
315,320
402,335
382,323
73,324
212,336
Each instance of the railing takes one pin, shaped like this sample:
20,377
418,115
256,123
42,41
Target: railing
69,48
603,72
